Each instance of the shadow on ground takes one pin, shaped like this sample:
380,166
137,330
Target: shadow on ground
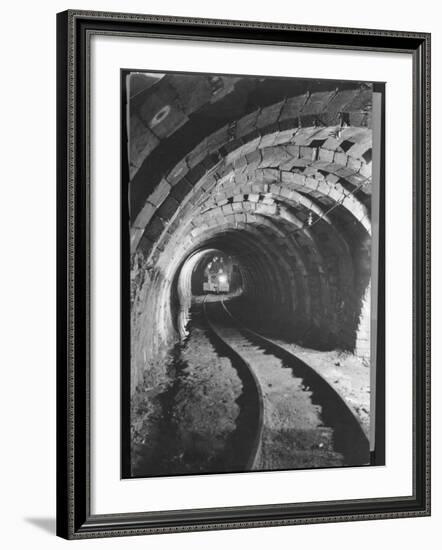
46,524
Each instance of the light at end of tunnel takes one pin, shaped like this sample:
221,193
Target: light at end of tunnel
222,279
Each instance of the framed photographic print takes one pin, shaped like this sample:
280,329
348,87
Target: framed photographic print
243,274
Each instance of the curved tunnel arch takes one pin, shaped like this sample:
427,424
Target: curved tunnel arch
285,190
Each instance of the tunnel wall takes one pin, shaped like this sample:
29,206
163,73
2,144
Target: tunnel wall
152,335
363,342
284,189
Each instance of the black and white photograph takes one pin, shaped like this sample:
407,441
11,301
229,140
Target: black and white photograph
252,280
218,280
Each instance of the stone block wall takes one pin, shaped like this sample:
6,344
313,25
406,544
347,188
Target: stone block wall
277,177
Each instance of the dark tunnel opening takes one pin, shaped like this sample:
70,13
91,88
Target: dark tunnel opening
280,286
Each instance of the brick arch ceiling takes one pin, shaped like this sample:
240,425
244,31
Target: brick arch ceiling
285,188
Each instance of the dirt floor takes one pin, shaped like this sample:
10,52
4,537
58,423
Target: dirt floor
348,374
205,404
191,422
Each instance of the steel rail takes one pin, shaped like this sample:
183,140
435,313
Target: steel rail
283,352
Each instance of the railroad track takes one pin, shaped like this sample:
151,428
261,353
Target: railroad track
296,419
251,401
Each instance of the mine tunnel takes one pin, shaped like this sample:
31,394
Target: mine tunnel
255,191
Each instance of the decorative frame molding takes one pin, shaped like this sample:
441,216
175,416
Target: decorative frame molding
74,30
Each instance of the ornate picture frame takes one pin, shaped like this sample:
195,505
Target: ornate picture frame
75,516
